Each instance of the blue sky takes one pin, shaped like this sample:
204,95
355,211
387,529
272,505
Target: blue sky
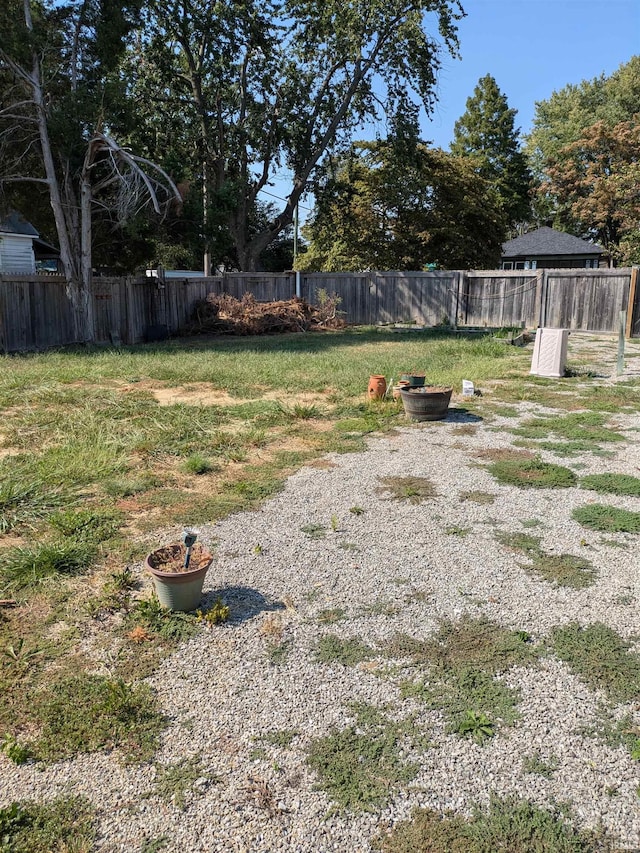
531,48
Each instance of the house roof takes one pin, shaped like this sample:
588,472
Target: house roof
547,241
15,223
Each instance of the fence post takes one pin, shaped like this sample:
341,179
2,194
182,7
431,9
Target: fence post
621,333
537,310
633,284
541,307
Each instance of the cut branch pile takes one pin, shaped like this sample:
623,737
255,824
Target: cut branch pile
226,315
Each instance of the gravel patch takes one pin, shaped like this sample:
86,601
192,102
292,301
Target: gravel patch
396,568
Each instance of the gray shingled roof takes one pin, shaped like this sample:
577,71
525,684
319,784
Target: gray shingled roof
15,223
547,241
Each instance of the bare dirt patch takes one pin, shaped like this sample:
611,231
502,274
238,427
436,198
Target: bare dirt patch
499,454
204,394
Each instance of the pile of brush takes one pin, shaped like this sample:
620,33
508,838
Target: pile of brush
226,315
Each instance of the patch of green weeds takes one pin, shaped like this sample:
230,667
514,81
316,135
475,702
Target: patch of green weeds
88,525
564,570
356,510
456,530
282,738
476,725
381,607
314,531
87,713
331,615
608,519
154,845
411,489
624,732
535,764
509,824
532,474
623,598
26,504
126,487
349,652
506,412
279,652
300,411
15,751
359,766
615,484
588,427
601,658
468,643
174,782
572,448
457,670
609,398
560,569
166,624
348,546
478,497
63,824
217,614
529,523
26,568
362,426
258,753
472,701
198,464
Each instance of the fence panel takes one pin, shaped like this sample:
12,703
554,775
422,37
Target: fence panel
499,299
587,300
357,292
35,313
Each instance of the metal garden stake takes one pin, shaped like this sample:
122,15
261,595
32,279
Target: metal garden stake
189,538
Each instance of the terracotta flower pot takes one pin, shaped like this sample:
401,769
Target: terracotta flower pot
178,588
377,387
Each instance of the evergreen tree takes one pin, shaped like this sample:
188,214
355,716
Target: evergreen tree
486,133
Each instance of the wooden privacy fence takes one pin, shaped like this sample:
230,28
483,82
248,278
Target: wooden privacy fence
35,312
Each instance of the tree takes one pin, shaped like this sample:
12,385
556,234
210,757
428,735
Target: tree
268,85
597,177
60,94
562,120
486,134
381,209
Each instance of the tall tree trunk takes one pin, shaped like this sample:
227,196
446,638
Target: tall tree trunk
83,332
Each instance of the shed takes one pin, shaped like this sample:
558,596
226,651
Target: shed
546,248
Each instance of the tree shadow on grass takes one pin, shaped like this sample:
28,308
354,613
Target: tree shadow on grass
244,602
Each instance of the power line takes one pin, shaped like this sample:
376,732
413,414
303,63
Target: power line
280,198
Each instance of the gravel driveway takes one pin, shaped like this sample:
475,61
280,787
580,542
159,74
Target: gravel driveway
397,568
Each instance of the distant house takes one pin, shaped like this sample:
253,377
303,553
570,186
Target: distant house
21,249
546,248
